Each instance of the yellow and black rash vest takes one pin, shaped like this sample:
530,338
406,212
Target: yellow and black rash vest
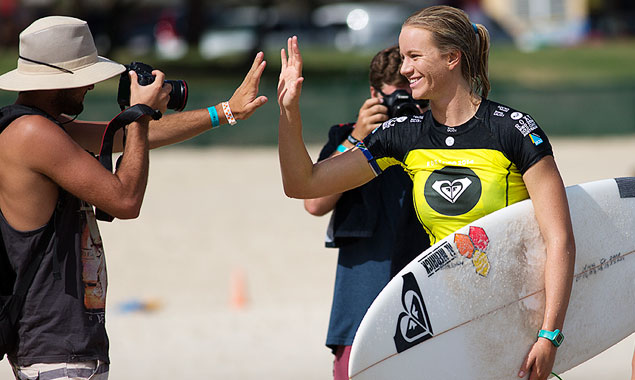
460,173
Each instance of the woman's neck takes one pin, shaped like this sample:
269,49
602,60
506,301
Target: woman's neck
456,108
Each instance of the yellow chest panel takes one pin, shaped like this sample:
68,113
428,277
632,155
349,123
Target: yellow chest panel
454,187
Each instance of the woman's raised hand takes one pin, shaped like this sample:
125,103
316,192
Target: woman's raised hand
290,83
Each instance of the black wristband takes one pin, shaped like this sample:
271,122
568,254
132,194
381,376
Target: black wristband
352,140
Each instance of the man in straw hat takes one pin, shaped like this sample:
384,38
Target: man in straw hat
48,183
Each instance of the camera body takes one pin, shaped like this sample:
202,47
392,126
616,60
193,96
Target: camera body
401,103
178,94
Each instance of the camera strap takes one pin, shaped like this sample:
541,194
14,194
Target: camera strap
124,118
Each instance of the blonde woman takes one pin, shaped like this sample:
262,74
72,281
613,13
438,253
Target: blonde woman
467,156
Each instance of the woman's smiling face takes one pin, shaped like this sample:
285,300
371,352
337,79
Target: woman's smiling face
425,67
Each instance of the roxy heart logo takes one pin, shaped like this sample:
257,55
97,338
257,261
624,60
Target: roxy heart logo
451,190
413,325
474,246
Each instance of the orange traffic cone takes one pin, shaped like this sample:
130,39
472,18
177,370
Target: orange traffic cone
238,290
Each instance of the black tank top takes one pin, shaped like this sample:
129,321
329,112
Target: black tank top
63,315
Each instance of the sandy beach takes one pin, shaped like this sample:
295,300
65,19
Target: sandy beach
223,277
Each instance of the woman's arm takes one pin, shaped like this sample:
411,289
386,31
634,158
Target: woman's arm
370,116
548,196
300,177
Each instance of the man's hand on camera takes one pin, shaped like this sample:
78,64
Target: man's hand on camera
156,94
370,116
245,99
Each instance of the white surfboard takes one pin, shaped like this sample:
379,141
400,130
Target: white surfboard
470,306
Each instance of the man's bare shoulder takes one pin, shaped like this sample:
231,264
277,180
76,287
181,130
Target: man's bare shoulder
36,142
29,147
28,125
30,131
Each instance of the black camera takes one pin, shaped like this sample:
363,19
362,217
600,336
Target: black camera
178,95
401,103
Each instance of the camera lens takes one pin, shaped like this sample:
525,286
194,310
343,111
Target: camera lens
178,95
405,109
401,103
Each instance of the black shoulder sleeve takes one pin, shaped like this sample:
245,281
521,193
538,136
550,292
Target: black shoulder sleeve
522,140
394,137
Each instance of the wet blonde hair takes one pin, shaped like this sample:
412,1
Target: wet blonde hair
452,30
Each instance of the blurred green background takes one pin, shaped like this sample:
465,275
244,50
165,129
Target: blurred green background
586,88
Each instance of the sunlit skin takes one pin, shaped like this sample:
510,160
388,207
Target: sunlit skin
436,76
423,64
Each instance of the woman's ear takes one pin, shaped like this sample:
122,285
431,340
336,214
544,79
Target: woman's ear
453,59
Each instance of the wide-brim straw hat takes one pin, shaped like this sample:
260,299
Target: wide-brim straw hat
58,52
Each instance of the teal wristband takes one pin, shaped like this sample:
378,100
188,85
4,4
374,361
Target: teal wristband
341,148
213,114
556,337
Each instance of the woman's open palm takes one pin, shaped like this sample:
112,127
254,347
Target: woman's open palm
290,83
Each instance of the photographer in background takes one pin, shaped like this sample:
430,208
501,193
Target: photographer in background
374,226
49,182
